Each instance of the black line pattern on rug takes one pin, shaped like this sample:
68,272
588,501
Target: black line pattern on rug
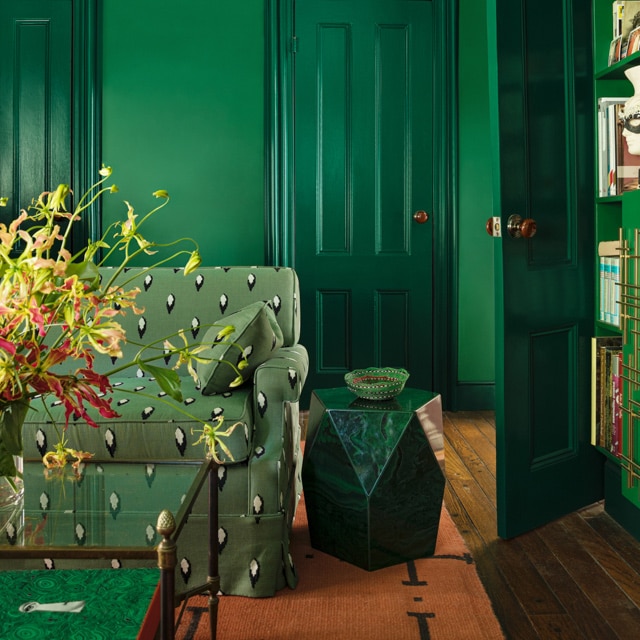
414,581
197,612
423,624
465,557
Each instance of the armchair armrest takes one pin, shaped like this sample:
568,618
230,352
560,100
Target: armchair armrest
275,481
278,381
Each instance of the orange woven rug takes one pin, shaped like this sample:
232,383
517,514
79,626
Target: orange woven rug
434,598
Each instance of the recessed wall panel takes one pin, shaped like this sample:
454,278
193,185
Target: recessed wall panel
333,328
553,356
32,108
334,140
392,328
393,134
551,135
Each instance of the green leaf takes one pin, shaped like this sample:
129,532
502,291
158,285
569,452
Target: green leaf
167,379
7,464
11,421
86,272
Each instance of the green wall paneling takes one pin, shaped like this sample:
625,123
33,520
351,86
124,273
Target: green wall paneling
183,110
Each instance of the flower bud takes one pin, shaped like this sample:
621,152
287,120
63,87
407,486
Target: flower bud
237,382
195,260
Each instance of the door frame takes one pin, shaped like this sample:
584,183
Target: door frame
86,147
280,48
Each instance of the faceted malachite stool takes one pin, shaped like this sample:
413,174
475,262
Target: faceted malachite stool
373,476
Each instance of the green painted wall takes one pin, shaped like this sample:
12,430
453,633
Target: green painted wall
476,315
183,110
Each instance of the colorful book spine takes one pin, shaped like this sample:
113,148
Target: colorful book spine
616,389
614,292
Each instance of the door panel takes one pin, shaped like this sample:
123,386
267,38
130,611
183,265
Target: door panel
363,149
35,84
544,286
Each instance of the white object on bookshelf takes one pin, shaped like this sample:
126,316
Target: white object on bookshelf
607,145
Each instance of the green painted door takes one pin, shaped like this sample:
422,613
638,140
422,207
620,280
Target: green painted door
363,167
544,164
35,85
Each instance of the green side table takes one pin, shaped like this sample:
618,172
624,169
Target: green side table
373,476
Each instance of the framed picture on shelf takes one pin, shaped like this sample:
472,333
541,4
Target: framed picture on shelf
614,50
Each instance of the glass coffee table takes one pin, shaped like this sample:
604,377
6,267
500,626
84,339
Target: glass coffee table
118,512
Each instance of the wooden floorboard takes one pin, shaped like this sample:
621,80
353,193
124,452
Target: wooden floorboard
575,578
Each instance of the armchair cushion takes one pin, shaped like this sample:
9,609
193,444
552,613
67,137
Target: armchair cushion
256,337
151,425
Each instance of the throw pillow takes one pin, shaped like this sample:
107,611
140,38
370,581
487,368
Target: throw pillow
255,336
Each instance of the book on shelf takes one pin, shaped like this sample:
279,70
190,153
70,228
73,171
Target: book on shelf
609,282
618,12
606,145
633,45
606,367
615,50
618,170
626,17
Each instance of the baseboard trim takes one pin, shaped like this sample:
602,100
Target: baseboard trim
617,505
474,396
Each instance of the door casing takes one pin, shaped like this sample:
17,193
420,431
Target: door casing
279,215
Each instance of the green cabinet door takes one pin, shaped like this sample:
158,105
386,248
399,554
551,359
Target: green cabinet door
542,111
364,95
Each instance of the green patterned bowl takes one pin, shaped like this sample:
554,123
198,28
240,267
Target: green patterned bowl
376,384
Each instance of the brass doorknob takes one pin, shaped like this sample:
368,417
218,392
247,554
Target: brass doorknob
420,217
521,228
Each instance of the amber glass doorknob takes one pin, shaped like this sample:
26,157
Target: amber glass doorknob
521,228
420,217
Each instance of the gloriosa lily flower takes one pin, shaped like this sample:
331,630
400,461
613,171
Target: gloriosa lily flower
212,434
54,310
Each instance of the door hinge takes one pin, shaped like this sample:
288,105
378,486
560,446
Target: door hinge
294,44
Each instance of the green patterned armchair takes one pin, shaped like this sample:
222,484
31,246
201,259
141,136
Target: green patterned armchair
259,485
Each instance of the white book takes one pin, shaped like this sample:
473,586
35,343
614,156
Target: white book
618,13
